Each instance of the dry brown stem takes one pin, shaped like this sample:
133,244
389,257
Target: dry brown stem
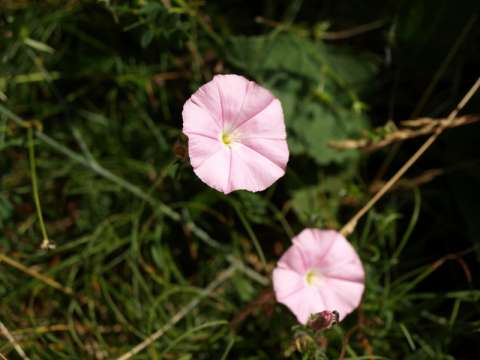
11,340
410,129
411,183
350,226
33,273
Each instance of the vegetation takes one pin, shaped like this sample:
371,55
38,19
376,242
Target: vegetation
107,236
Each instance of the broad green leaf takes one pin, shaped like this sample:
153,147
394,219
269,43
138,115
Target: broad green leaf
318,86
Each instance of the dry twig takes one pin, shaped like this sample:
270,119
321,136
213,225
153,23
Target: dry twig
411,183
79,328
265,298
11,339
222,277
350,226
410,129
33,273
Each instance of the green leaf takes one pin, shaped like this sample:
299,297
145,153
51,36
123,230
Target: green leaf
317,205
147,38
317,84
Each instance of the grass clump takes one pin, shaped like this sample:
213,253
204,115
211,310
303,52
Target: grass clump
90,111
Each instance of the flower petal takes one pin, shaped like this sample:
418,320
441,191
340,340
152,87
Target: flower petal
304,303
342,261
215,170
350,269
207,97
293,259
198,121
241,99
232,90
286,282
268,123
343,296
315,245
257,99
273,149
201,148
251,170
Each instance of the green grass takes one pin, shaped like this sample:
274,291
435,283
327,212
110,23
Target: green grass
91,148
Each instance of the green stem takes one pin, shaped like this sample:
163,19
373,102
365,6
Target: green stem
36,197
135,190
250,232
411,225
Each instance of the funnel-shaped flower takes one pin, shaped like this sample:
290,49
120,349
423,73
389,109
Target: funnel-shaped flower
320,271
236,134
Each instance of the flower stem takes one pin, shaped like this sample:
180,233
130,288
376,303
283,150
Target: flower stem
46,244
250,232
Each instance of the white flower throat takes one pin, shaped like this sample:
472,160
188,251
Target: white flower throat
313,277
228,137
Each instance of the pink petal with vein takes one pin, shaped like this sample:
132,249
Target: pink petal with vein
305,302
293,259
265,124
214,170
208,99
292,282
251,170
198,121
233,90
274,150
202,149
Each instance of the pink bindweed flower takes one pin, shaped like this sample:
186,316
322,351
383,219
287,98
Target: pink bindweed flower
320,271
236,134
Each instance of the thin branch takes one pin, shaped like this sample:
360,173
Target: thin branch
11,339
411,129
350,226
411,183
222,277
445,63
33,273
79,328
329,35
266,297
46,243
355,31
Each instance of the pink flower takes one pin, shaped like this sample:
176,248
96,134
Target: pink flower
320,271
236,134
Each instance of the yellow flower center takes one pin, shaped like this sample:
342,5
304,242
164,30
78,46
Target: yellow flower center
226,138
312,277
